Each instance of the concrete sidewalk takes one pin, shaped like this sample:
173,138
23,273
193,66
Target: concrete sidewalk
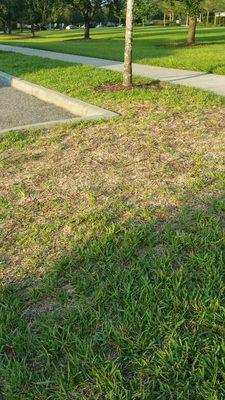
201,80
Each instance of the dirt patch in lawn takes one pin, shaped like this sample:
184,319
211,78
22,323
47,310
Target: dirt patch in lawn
156,85
185,44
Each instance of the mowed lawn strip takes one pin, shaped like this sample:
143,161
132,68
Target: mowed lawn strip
152,45
112,254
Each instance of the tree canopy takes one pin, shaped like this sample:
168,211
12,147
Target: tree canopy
89,12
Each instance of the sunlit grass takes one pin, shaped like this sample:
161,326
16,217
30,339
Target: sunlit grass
152,45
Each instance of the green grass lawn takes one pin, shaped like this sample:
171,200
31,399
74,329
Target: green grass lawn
152,45
112,245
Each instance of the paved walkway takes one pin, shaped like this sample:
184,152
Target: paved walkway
202,80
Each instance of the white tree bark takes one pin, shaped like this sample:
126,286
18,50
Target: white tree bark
164,19
127,76
187,20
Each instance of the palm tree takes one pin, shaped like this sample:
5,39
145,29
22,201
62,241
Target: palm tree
193,8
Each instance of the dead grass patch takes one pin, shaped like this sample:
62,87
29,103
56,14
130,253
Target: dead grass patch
152,161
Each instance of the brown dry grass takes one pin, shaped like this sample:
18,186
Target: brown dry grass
60,184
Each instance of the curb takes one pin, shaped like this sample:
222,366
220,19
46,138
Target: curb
74,106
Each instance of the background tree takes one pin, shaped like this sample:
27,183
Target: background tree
7,11
180,12
167,8
44,10
145,9
88,10
33,13
20,12
208,6
193,8
212,6
3,15
119,7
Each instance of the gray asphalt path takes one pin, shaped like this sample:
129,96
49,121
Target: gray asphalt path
202,80
19,109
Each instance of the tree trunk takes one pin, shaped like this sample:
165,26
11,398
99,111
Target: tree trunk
164,19
21,27
10,17
32,29
187,20
215,20
10,27
207,18
127,75
192,30
87,29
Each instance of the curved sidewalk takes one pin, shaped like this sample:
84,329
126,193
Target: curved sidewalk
201,80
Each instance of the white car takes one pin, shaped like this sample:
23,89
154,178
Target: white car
69,27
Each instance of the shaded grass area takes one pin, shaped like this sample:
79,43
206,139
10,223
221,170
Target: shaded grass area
152,46
112,257
137,313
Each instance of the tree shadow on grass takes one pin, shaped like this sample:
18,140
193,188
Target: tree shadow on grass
113,48
91,48
19,64
185,44
136,312
146,44
215,68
